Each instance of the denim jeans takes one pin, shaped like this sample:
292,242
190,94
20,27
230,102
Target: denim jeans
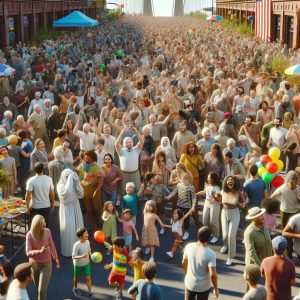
112,197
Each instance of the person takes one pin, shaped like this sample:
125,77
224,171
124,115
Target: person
277,136
137,263
69,192
166,147
128,156
256,237
40,249
81,254
91,178
255,189
278,271
292,157
292,231
120,259
39,193
272,208
130,200
56,166
146,289
7,271
177,230
252,276
161,168
40,154
23,276
214,161
199,266
100,152
149,232
233,167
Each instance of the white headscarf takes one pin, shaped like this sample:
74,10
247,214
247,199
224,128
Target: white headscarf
165,148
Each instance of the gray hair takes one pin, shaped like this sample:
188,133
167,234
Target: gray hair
58,155
54,107
205,131
290,176
230,141
222,131
8,113
130,184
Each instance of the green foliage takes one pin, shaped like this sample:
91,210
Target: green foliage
199,15
279,63
44,34
113,15
244,28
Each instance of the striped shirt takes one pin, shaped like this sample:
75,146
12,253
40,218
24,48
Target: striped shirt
186,195
120,260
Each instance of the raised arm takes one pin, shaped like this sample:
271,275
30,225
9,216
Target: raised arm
118,145
140,144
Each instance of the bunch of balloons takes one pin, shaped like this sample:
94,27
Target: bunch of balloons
269,165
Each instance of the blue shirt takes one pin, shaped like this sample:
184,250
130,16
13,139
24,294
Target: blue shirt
146,290
131,202
27,147
255,191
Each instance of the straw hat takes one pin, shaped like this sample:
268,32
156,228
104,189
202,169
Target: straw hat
255,212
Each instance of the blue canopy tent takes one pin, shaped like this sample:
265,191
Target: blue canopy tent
75,19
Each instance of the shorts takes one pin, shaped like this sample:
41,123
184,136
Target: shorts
82,270
114,278
177,237
128,239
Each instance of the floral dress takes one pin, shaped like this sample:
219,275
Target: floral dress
149,233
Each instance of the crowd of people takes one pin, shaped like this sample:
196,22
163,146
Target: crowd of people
143,112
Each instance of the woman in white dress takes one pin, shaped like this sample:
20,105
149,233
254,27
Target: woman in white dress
69,192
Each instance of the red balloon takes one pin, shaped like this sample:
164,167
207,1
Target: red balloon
272,167
41,68
277,181
265,159
99,236
122,5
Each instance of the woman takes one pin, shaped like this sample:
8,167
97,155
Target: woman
112,178
39,154
160,167
90,109
91,177
232,199
73,138
69,192
214,161
166,147
40,249
7,271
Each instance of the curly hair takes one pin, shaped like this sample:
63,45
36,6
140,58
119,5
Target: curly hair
225,187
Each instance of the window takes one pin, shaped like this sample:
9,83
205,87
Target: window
277,24
289,31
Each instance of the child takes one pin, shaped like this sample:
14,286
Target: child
100,152
186,200
149,234
128,227
146,289
109,218
177,231
252,275
159,191
137,263
212,208
81,261
120,259
146,193
272,207
130,200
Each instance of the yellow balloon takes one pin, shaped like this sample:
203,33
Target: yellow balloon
274,153
279,163
89,35
261,171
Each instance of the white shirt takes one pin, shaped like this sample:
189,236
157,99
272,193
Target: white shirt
16,293
109,145
129,160
277,135
294,224
87,141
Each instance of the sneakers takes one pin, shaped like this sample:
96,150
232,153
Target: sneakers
186,236
118,203
214,240
151,259
224,249
77,292
117,289
170,254
119,296
162,231
228,262
92,296
147,251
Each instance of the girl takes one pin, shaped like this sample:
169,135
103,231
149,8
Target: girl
177,230
160,167
272,207
137,263
212,208
149,233
109,218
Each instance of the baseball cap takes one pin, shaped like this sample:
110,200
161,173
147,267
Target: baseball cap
279,243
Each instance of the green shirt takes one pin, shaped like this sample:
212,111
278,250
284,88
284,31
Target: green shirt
257,243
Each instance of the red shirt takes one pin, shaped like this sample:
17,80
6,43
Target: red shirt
278,272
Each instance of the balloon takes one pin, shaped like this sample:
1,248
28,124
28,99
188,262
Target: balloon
279,164
61,66
277,181
272,167
265,159
41,68
99,236
49,51
122,5
120,53
259,164
274,153
13,140
261,171
96,257
102,67
267,177
89,35
61,48
123,13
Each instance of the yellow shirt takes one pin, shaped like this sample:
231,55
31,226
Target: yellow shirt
137,271
57,142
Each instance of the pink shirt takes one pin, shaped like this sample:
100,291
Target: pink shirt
270,221
33,246
128,227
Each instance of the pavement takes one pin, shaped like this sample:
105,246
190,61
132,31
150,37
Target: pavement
170,276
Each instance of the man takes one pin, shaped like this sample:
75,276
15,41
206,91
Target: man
292,231
54,123
129,158
252,129
39,194
277,135
74,116
36,101
239,98
257,238
56,166
109,140
199,266
206,142
17,288
264,115
120,100
233,166
49,94
7,105
191,115
255,189
221,138
278,271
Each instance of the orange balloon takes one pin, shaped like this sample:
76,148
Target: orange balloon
99,236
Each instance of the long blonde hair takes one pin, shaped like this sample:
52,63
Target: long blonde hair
35,227
150,207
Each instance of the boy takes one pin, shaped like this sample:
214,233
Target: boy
130,200
146,289
81,261
120,259
128,227
100,152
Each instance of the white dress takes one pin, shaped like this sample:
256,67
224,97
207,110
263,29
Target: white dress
69,191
